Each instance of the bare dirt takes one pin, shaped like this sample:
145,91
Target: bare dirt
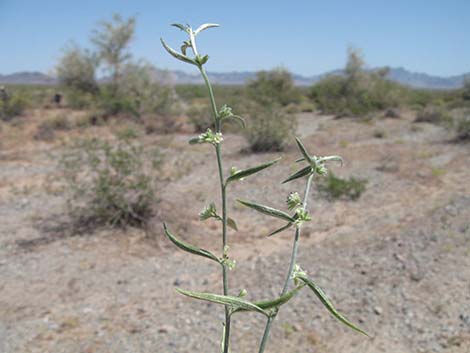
397,261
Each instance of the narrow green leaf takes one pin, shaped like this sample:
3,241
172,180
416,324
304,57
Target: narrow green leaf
283,228
177,55
201,60
274,303
332,158
301,173
234,302
232,224
304,151
188,247
194,140
205,26
246,172
268,210
237,118
327,303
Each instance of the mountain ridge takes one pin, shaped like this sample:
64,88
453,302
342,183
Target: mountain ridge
397,74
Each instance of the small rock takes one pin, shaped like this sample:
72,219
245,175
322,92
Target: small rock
165,329
378,310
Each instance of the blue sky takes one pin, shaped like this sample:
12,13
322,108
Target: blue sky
307,37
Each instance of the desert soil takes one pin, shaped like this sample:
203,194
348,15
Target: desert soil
396,261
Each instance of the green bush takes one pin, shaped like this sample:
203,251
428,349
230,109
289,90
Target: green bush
434,115
333,187
463,129
77,99
273,87
466,89
269,128
200,116
12,106
357,92
139,93
109,183
76,70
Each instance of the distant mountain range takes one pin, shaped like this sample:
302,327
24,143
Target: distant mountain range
400,75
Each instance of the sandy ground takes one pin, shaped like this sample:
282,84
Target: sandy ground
397,261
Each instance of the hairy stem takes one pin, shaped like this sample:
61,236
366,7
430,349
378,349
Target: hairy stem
218,152
293,260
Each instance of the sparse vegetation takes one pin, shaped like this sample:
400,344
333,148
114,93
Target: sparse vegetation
200,117
275,87
109,183
333,187
135,88
357,92
434,115
270,128
463,129
11,105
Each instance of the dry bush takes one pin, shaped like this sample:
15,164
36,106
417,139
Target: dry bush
109,183
269,128
200,116
333,187
463,129
12,105
434,115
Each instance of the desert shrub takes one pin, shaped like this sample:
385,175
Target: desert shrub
466,89
463,129
127,132
44,132
80,100
76,70
200,116
111,40
394,113
357,91
140,92
379,133
148,90
12,105
270,127
273,87
59,121
307,107
333,187
109,183
434,115
47,128
188,92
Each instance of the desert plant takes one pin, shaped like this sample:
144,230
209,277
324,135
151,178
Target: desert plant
463,129
357,91
434,115
333,187
111,40
76,70
273,87
466,88
11,105
270,128
109,183
315,165
200,116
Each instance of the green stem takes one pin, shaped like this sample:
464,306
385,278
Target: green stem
293,260
218,152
